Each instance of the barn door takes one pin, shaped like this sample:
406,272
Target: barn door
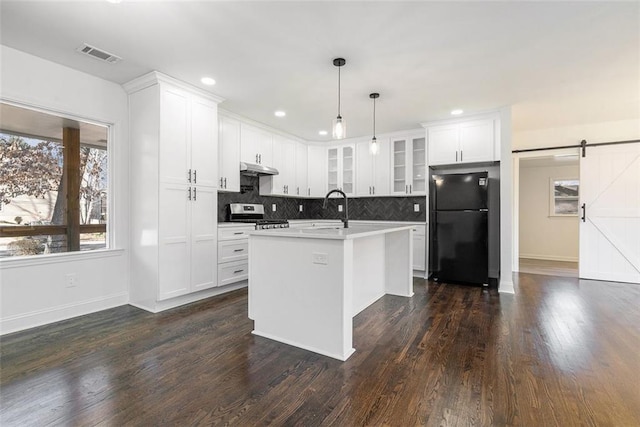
610,213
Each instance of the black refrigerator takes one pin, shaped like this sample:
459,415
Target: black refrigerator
459,226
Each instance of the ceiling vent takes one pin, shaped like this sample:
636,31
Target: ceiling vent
99,54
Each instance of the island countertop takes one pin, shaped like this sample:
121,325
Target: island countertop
331,232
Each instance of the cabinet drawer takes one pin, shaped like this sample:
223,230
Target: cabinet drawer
231,272
233,250
230,233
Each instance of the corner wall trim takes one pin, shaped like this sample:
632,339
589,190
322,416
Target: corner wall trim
506,287
63,312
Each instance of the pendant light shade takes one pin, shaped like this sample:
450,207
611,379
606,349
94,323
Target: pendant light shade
339,125
374,141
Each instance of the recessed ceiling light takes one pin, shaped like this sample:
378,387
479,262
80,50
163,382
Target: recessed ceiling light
208,81
280,113
323,133
457,112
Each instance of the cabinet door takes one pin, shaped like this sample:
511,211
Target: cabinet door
333,170
301,169
477,141
276,184
419,252
204,233
248,144
399,163
174,240
229,154
348,169
381,166
265,148
204,142
316,171
174,135
443,144
418,184
364,168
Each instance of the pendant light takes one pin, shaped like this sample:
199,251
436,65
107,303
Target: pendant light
374,141
339,125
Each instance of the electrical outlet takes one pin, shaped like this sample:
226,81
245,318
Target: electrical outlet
273,207
416,207
300,208
72,280
339,208
319,258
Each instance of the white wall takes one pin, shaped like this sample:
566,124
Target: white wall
620,130
33,291
543,236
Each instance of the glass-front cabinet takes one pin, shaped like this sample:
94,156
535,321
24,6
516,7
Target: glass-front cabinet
409,165
340,168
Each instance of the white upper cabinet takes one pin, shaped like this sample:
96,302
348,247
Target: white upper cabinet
204,134
372,170
408,165
256,145
317,171
470,141
284,159
301,170
229,154
341,169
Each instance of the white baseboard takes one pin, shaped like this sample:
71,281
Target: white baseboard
188,299
55,314
506,287
549,257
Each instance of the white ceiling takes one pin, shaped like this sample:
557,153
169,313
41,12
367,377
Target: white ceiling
557,63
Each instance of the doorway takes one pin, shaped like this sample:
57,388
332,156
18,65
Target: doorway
548,213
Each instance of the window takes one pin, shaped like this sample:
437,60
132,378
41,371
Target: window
564,197
53,183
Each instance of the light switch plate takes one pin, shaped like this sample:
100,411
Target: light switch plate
339,208
416,207
273,207
319,258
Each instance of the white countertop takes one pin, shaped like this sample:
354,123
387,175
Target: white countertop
334,232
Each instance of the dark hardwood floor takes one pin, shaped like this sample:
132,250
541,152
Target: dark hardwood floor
561,352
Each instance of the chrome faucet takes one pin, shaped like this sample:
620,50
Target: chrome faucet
346,205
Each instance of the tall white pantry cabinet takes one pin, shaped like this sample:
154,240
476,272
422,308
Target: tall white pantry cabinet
173,168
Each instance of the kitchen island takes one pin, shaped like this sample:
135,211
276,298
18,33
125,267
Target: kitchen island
307,284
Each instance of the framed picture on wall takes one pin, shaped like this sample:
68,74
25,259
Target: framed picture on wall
564,196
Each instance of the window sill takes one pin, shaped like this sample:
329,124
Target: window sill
35,260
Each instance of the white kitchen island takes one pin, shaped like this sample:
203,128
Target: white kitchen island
307,284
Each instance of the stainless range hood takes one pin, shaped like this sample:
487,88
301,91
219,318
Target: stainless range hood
253,169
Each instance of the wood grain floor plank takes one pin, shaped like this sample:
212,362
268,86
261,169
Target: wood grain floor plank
560,352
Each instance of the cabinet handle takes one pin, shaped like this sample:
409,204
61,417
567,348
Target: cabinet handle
225,183
238,250
238,271
238,232
257,158
406,189
456,155
260,158
584,212
461,154
195,194
189,192
297,191
410,188
221,183
189,175
195,176
374,189
309,191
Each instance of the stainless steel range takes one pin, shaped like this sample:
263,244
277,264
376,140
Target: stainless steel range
254,213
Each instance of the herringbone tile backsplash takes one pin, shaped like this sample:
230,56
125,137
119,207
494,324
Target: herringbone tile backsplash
362,208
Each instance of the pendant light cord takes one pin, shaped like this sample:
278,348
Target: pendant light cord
339,90
374,118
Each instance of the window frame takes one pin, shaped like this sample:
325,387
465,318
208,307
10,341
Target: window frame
553,197
107,228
